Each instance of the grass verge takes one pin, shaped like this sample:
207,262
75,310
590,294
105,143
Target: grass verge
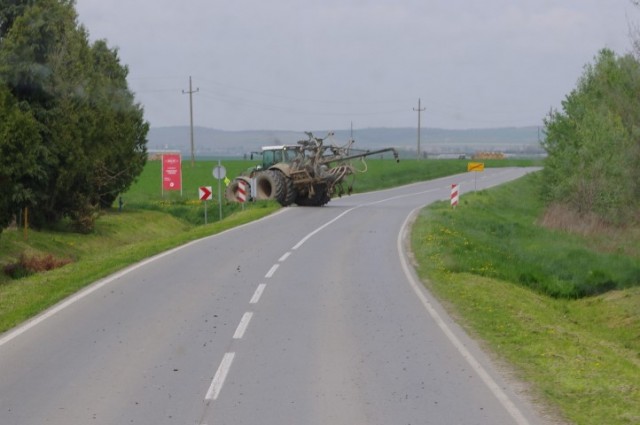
581,353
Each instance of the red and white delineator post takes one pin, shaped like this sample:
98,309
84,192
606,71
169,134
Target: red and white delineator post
455,195
241,194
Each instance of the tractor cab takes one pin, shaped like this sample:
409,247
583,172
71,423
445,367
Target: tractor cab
272,155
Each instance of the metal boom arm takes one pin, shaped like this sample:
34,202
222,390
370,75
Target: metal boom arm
338,158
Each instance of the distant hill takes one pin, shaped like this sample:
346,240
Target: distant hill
433,141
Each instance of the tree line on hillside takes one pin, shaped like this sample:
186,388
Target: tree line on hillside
72,137
593,144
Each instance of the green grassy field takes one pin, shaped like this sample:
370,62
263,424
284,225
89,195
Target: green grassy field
373,174
564,309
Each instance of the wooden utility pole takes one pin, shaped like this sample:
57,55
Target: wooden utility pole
191,92
419,110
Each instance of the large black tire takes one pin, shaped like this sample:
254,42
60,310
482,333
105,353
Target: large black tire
231,193
319,198
292,193
271,184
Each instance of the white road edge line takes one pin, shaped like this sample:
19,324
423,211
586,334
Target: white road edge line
242,326
220,376
271,271
256,295
306,238
328,223
475,365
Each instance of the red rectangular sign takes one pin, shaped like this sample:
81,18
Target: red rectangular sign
171,172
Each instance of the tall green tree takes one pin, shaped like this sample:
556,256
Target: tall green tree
117,140
9,11
93,132
21,158
593,144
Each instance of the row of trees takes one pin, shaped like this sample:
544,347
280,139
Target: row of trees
593,144
72,137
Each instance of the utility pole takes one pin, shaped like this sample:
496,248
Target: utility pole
419,110
191,92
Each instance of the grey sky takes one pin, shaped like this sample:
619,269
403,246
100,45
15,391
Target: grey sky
322,64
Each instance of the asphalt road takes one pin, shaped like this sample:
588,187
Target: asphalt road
310,316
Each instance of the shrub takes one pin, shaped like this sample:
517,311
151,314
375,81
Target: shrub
27,265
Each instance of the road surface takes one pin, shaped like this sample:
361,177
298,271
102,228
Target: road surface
310,316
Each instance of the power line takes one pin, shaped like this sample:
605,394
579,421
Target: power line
241,97
301,99
419,110
242,102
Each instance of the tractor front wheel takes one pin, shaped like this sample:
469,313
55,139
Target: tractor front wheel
271,184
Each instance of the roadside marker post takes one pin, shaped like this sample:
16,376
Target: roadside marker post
455,195
241,194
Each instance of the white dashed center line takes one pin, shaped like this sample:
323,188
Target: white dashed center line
256,295
271,271
220,376
242,327
284,257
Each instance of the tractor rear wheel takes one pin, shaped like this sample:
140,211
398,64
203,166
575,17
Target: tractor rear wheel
318,199
292,193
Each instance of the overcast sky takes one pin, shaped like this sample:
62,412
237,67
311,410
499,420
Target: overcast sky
324,64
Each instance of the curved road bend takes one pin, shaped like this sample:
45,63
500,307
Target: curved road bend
310,316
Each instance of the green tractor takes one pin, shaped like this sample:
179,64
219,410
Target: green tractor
307,174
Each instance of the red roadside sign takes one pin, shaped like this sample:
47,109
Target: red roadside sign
171,172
